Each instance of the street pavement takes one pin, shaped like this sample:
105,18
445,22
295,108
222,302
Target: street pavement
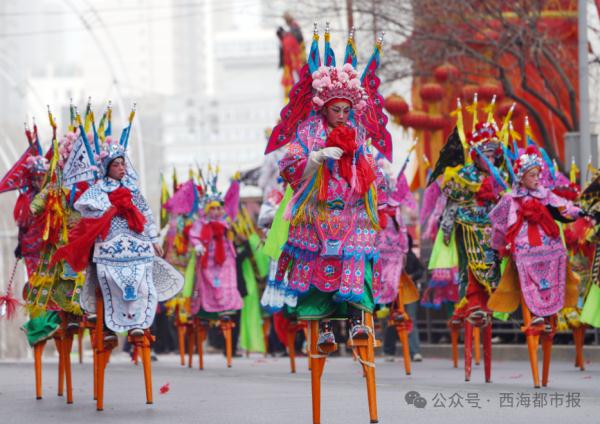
262,390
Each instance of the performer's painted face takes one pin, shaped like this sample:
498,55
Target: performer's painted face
531,179
37,181
116,169
337,112
216,212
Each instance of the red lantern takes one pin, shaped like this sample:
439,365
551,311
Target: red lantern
446,72
396,105
437,122
488,90
469,91
416,119
431,92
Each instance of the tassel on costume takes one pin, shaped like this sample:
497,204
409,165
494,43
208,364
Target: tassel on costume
8,303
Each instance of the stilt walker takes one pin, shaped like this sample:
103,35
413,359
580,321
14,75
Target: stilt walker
472,183
397,288
27,176
126,277
538,275
330,258
216,296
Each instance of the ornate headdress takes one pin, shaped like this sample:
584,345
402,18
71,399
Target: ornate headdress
109,151
527,161
322,83
332,83
37,165
485,137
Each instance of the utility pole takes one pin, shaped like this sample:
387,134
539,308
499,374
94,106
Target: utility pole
584,111
349,15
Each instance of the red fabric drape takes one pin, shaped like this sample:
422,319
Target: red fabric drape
359,174
536,215
85,233
214,231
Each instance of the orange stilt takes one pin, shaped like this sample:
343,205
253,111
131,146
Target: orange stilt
191,336
226,327
291,345
547,340
477,344
200,336
67,345
143,345
103,350
366,356
80,343
316,371
181,342
403,336
61,363
38,349
402,323
532,344
266,326
578,339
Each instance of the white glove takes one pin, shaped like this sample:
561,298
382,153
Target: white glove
317,157
200,249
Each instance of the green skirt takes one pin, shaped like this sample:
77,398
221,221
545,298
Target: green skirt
316,305
41,327
590,314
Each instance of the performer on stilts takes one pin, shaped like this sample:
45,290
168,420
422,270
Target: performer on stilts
330,259
126,277
216,296
473,182
538,275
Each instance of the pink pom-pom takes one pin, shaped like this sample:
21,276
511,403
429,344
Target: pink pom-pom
348,68
103,154
316,100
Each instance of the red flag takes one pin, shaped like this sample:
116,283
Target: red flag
18,175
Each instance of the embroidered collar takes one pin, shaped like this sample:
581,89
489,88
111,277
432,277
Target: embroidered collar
539,193
109,185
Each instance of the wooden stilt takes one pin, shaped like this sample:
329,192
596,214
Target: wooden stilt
402,326
477,344
468,349
532,344
181,343
291,345
454,340
61,362
226,328
38,349
200,336
365,349
191,336
143,343
578,339
547,340
487,351
80,331
317,365
403,336
266,326
180,335
102,351
67,345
